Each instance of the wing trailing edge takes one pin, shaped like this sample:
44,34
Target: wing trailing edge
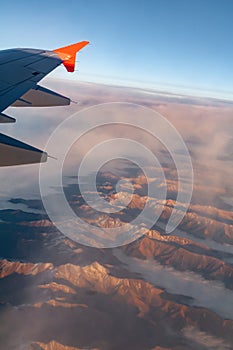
15,152
6,119
41,97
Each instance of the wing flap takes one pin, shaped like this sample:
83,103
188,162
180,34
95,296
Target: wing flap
15,152
41,97
6,119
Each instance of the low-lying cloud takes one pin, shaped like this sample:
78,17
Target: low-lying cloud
209,294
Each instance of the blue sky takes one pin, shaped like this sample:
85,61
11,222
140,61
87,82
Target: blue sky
167,44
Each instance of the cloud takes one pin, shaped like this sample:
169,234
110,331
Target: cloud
206,127
204,293
205,340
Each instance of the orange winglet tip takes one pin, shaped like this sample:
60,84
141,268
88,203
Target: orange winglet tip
68,54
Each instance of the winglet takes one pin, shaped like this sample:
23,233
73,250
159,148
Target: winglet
68,54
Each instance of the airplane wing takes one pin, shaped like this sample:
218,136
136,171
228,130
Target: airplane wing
20,72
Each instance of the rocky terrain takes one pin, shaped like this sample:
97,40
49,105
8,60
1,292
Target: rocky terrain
58,294
157,292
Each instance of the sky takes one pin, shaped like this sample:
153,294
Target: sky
176,45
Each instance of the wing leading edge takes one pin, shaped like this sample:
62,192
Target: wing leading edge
20,71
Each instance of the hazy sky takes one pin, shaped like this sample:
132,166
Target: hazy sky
144,43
